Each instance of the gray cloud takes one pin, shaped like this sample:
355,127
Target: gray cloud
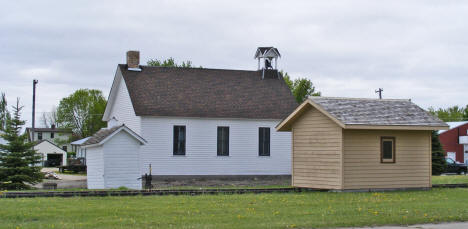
413,49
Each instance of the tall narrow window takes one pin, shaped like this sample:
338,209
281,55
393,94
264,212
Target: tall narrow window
264,141
223,141
179,140
387,148
39,135
52,135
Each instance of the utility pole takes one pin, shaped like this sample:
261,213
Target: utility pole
33,109
380,92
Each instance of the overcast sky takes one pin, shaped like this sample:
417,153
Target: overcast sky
412,49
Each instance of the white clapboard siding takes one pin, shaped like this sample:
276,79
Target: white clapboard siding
201,156
121,157
95,168
122,108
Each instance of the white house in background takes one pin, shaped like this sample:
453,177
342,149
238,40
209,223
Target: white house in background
80,151
191,121
51,154
58,136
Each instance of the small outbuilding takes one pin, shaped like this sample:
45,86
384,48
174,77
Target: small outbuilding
113,158
353,144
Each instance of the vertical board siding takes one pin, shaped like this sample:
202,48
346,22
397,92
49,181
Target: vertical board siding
122,109
362,166
201,148
121,156
317,150
95,168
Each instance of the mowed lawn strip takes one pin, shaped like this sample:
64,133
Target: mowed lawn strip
450,179
277,210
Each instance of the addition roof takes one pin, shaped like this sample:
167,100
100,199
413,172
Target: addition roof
105,134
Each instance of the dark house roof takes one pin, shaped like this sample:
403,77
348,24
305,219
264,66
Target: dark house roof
355,111
214,93
55,130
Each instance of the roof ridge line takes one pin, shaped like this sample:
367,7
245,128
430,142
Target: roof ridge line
222,69
352,98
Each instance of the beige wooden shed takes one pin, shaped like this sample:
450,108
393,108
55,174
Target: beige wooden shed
353,144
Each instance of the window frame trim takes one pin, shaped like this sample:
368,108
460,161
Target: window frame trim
173,140
228,143
388,161
269,142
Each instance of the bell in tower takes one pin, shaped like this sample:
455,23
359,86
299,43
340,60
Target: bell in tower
266,56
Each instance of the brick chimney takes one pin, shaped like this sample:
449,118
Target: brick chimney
133,60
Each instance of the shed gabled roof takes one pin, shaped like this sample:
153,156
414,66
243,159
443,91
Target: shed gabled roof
360,113
210,93
105,134
50,143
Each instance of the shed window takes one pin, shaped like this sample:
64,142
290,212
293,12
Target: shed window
387,148
39,135
264,141
179,140
52,135
223,141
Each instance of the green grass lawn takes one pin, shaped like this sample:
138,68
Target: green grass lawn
452,179
311,209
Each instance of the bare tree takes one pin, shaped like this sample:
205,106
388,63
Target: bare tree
49,118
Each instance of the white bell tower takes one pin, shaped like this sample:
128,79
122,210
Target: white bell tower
266,56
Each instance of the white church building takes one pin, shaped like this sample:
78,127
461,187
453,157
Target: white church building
191,121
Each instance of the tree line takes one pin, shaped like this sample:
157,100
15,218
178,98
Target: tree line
451,114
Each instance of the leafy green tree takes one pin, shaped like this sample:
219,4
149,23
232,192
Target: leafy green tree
465,113
170,63
4,114
451,114
18,159
438,158
301,88
82,112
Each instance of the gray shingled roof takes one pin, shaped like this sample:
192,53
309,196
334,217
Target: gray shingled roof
100,135
105,132
354,111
